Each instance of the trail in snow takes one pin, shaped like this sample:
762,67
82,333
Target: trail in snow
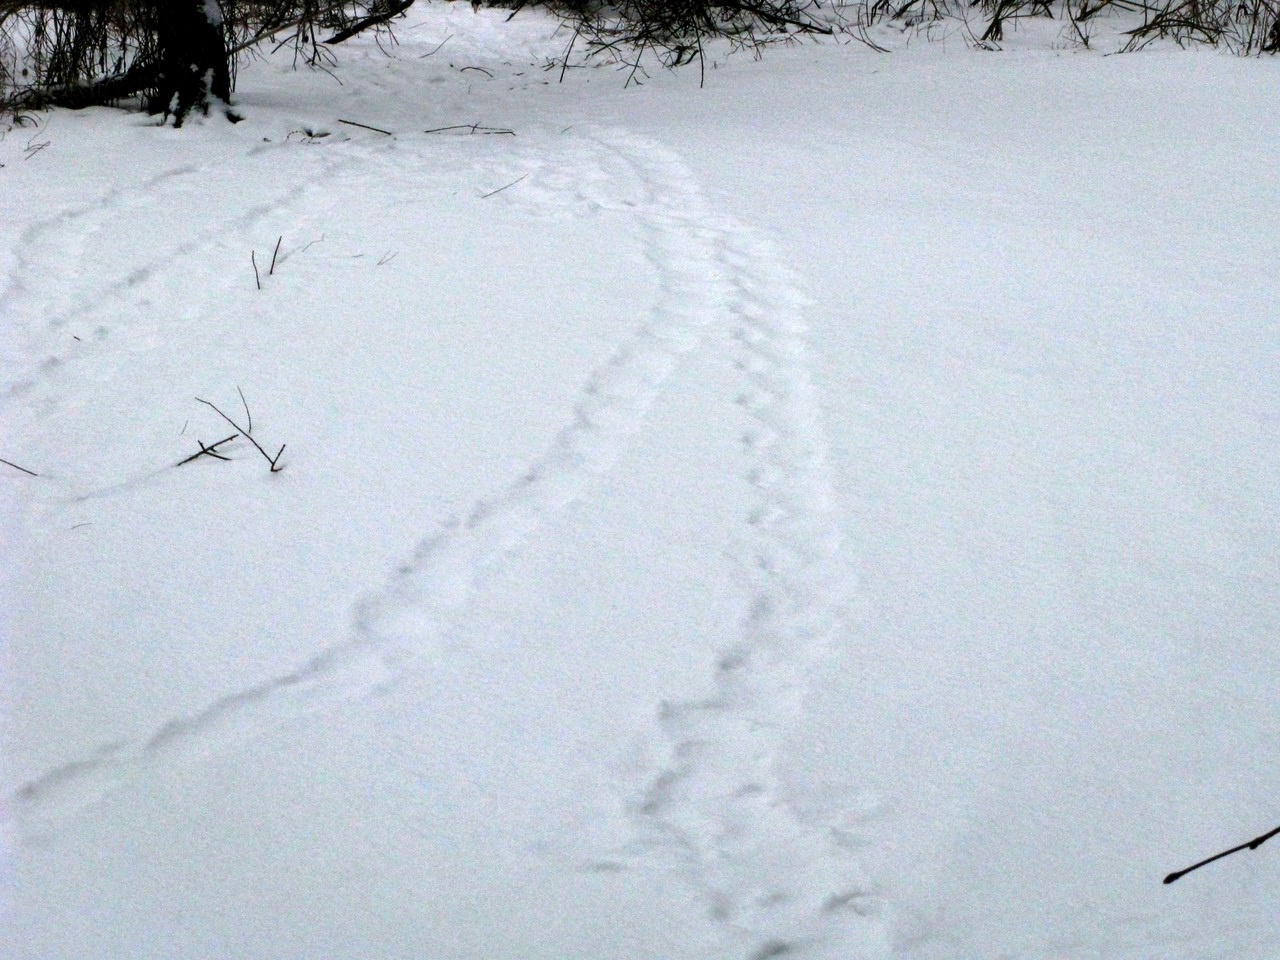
48,291
400,628
777,884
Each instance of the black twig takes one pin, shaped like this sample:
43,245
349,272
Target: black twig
1253,844
365,126
437,49
486,196
393,10
30,473
210,451
273,461
474,128
253,258
275,253
565,64
481,69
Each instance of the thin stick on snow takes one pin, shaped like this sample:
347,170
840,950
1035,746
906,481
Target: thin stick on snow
564,64
275,253
365,126
1253,844
474,128
486,196
437,49
30,473
210,451
253,258
245,403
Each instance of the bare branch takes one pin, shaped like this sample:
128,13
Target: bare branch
273,461
30,473
1253,844
371,21
209,451
486,196
365,126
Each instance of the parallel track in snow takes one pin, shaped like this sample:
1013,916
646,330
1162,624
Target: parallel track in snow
402,625
776,883
59,309
779,884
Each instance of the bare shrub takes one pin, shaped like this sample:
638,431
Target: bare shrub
173,55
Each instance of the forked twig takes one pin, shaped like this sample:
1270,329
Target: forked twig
273,461
210,451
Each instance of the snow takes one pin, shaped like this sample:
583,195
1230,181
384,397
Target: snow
829,512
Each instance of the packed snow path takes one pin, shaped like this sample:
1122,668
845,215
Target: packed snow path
777,883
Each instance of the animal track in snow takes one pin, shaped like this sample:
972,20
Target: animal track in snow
776,883
47,293
403,625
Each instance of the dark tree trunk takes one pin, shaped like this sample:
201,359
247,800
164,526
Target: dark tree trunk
194,67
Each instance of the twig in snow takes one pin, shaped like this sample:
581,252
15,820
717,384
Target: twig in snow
275,253
474,128
1253,844
564,65
273,461
437,49
210,451
253,258
365,126
481,69
486,196
388,257
245,403
30,473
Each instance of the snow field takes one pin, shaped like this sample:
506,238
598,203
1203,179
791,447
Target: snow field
826,514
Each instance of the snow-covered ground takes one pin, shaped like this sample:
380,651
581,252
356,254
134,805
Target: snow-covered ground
830,513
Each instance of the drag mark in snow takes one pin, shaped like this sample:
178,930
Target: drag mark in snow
401,628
